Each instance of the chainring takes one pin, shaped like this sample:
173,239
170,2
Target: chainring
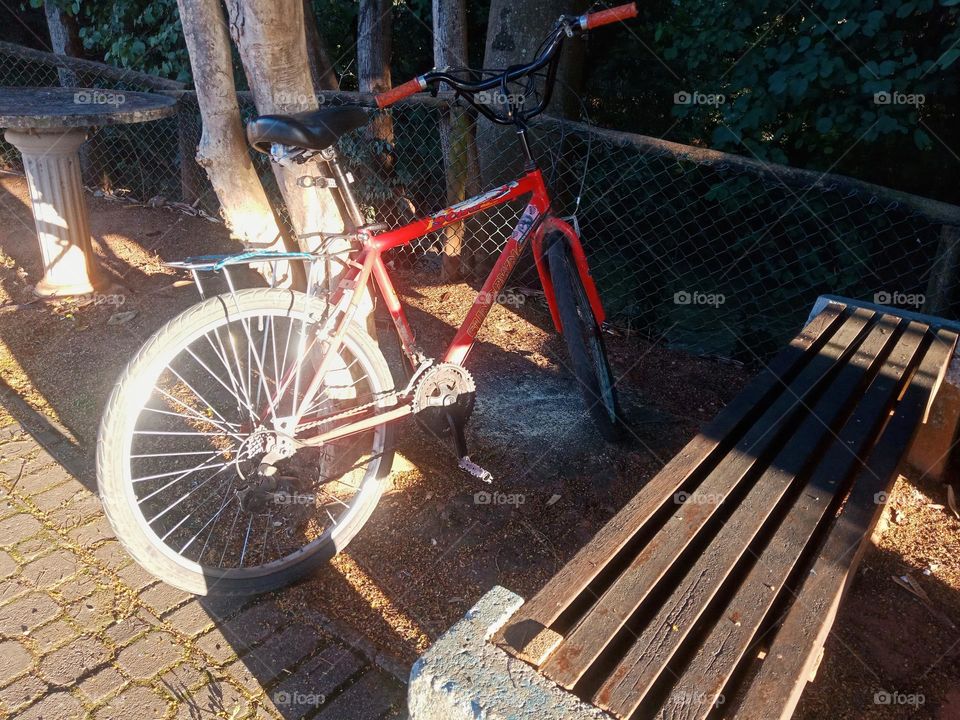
444,388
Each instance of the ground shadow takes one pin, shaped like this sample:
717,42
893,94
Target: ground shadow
61,361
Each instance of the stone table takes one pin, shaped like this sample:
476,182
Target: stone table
48,126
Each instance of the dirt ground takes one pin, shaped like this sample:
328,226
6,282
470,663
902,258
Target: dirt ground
430,550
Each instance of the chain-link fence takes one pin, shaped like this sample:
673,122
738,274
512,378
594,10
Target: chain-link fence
710,252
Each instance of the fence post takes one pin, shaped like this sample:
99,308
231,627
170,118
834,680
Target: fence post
943,272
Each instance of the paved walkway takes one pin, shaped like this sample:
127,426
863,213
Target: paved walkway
85,633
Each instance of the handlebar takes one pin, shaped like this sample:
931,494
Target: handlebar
611,15
566,25
411,87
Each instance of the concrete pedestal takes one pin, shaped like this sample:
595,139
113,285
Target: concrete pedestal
52,166
464,677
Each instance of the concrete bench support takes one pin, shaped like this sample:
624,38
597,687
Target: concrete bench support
465,677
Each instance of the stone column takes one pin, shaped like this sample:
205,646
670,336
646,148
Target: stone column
52,166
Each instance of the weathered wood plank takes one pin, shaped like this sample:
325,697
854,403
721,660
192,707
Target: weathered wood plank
648,656
699,688
775,690
604,620
732,421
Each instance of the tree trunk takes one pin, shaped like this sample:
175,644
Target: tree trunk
514,33
374,49
322,72
374,46
191,173
270,37
64,39
223,150
457,132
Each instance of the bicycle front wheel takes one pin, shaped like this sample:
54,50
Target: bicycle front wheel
588,354
195,411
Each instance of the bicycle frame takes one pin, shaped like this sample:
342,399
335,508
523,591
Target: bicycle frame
534,223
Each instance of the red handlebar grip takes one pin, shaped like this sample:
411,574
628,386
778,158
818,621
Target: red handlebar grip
612,15
411,87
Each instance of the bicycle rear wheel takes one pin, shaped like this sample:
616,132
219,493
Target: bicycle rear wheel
588,354
190,419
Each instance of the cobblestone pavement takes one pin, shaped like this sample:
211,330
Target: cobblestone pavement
85,633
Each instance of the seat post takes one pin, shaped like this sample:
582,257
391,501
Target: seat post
343,185
529,163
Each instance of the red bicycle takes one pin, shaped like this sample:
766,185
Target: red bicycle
247,441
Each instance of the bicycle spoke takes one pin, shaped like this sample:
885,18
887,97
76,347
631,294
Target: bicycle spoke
201,418
229,533
223,506
233,391
197,468
246,540
200,397
184,497
206,422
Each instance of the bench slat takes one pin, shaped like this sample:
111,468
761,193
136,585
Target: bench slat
629,682
602,622
571,580
775,690
696,693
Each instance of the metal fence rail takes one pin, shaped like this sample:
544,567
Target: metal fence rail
710,252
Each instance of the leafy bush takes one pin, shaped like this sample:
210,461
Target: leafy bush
817,78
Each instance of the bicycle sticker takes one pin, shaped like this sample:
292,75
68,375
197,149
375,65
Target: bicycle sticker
470,206
522,230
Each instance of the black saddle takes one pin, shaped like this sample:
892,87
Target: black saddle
313,129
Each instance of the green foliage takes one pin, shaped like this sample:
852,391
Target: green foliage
139,34
802,83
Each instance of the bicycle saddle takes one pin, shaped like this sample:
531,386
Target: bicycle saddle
312,130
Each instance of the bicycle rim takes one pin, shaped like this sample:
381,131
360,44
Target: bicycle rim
189,459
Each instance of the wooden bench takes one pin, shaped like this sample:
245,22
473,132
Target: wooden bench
713,590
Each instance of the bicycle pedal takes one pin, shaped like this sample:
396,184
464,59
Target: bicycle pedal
471,468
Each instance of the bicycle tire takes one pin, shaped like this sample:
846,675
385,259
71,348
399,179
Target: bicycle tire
584,340
118,426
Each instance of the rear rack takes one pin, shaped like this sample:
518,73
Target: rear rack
215,263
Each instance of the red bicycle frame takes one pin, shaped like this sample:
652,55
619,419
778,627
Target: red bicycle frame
535,223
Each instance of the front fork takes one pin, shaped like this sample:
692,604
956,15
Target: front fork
548,226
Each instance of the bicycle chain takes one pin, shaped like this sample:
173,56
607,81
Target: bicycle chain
396,394
354,410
